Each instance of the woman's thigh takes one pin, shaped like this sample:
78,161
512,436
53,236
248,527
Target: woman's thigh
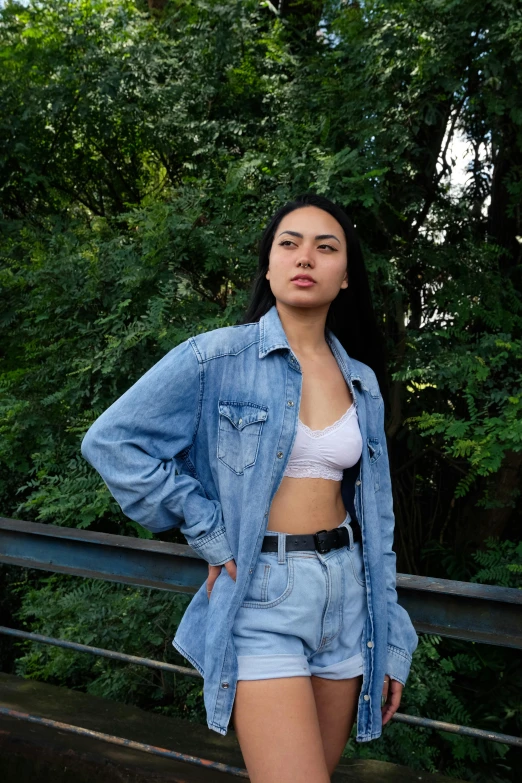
336,704
278,730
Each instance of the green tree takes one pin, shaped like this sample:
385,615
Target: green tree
142,148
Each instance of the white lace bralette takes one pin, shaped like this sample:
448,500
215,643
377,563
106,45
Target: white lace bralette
326,453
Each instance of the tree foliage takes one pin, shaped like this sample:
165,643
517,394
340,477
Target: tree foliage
142,150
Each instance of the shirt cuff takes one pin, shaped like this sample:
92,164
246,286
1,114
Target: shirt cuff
398,664
214,547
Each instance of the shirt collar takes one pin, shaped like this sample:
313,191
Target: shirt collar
273,336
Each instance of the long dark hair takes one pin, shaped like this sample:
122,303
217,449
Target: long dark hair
351,316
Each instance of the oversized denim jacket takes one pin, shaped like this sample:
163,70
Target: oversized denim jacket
201,442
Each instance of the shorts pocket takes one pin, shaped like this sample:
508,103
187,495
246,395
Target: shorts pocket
240,427
270,584
357,564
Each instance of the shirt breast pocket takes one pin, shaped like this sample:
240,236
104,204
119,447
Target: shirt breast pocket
239,433
374,452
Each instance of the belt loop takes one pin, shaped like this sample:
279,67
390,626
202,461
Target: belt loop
281,547
350,533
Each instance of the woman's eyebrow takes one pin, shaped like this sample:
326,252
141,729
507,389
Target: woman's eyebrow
319,236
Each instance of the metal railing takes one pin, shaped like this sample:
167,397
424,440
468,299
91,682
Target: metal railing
460,610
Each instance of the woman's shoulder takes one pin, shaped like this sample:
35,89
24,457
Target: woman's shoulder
225,340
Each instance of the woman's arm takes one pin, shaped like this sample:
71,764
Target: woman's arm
138,446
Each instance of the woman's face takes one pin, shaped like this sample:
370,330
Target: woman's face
308,236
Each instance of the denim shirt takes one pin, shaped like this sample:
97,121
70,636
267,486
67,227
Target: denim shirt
201,442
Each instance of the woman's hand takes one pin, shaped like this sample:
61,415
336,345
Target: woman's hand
214,572
392,693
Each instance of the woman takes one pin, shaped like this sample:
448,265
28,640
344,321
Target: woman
264,442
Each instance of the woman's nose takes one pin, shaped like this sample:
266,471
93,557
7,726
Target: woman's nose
305,257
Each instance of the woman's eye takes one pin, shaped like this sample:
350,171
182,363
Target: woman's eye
287,242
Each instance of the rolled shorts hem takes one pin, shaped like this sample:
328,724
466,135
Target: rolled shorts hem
266,667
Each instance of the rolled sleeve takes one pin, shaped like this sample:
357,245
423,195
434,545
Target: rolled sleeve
214,547
398,664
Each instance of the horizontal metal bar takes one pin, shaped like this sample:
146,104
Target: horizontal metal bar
460,610
100,651
460,617
400,717
134,561
126,743
454,728
446,587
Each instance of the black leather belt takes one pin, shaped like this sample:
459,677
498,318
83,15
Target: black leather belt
322,541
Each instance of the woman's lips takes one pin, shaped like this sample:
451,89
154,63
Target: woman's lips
303,283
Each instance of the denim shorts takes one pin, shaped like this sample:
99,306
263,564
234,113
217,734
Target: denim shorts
303,614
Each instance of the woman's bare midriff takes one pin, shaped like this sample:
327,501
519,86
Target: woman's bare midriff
306,505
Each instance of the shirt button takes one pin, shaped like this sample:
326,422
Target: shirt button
290,403
369,644
279,454
250,570
358,482
366,697
224,684
240,421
